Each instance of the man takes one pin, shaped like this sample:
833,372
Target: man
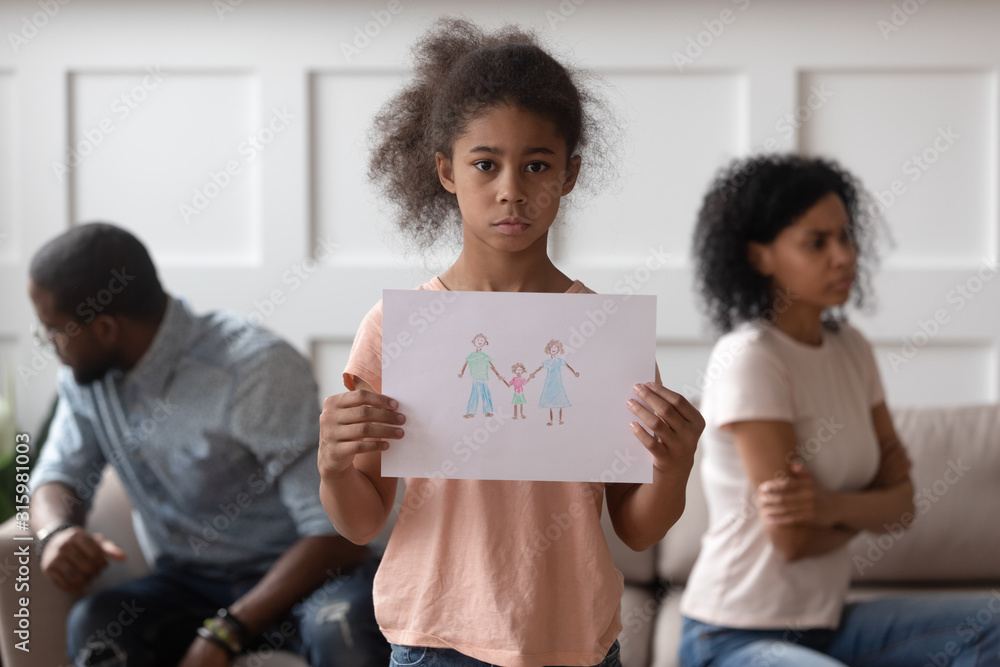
212,426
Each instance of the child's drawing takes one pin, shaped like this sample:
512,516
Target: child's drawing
480,365
553,393
518,382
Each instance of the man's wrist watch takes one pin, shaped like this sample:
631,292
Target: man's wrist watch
46,534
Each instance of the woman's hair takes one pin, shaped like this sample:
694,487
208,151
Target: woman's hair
754,199
461,72
513,369
557,343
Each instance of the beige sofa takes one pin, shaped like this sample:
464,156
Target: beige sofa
955,544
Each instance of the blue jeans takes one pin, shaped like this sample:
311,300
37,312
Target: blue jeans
404,656
911,631
152,621
479,389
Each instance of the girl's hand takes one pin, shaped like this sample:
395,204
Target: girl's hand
353,423
576,374
674,422
795,499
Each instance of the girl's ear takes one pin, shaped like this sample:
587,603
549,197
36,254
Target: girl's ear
759,256
445,172
571,174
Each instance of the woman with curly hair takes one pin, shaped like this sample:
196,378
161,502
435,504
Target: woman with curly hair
484,143
800,453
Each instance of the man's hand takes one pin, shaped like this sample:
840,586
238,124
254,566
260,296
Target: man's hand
203,653
796,499
73,558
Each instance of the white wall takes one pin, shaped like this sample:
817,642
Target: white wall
197,81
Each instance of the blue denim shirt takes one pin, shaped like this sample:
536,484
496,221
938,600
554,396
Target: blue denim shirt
214,434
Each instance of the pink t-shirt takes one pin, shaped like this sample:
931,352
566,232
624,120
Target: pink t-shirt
508,572
518,383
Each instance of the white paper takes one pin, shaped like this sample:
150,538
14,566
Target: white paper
427,338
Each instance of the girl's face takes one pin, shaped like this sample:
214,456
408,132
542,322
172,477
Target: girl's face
509,171
553,350
814,258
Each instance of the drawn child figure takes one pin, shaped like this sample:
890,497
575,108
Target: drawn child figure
553,393
486,140
518,382
480,365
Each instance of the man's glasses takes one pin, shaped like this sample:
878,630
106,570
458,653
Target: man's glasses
46,337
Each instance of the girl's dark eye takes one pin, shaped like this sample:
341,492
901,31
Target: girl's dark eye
536,167
484,165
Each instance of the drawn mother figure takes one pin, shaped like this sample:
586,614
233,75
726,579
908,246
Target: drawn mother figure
553,392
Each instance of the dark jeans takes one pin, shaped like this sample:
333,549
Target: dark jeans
407,656
151,622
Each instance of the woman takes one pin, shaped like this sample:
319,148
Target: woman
800,453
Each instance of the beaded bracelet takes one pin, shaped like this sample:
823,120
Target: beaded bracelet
205,633
238,626
222,632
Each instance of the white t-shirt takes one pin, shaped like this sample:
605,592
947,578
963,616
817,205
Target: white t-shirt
759,373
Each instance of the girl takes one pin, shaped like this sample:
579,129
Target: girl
781,244
488,137
553,392
518,382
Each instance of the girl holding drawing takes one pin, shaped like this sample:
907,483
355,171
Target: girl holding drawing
782,243
553,393
485,141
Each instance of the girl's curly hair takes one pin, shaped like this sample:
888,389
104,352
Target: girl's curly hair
513,369
555,343
460,71
754,199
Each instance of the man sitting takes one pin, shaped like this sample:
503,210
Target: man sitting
212,425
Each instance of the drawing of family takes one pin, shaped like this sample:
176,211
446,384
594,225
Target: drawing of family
553,394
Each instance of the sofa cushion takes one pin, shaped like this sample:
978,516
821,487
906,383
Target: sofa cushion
679,549
949,541
956,479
